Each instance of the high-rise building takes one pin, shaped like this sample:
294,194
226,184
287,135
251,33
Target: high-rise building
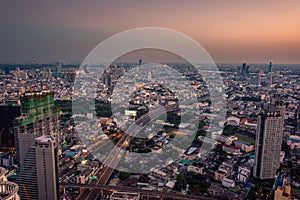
271,73
247,69
38,175
244,68
255,80
107,80
149,76
69,75
270,67
238,70
36,137
108,77
297,114
57,70
11,110
269,138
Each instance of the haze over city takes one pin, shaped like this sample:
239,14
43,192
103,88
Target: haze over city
231,31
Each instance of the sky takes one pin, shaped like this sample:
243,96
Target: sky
231,31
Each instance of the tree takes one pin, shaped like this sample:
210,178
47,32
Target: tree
124,175
229,130
180,182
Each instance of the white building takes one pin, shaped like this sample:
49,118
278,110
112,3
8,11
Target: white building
243,174
233,121
124,196
8,190
226,182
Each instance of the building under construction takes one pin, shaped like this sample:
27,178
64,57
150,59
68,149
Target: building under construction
36,137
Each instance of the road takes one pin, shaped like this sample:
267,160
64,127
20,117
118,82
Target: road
145,193
113,158
116,154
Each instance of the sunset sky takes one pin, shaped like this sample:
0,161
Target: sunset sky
231,31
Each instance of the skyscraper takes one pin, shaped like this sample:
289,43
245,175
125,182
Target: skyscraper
107,77
36,137
255,80
6,123
270,67
238,70
247,69
269,138
244,68
37,177
271,73
297,114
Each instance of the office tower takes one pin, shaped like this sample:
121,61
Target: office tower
244,68
255,80
46,73
59,66
57,70
140,61
11,110
238,70
270,67
107,79
269,138
37,177
36,137
261,72
149,76
247,69
270,73
297,114
70,75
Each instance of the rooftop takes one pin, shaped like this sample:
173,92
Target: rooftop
44,138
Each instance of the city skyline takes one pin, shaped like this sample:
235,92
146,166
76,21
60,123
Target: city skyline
85,166
150,100
229,31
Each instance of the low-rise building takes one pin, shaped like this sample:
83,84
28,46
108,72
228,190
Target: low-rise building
226,182
159,173
243,174
226,169
195,169
282,193
219,175
84,175
227,139
230,149
222,138
233,121
246,147
124,196
171,184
